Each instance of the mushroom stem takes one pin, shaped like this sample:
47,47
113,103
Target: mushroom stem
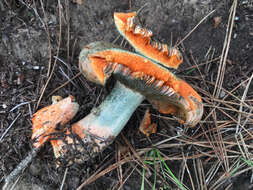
103,124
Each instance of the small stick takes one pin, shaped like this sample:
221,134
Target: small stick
64,178
20,168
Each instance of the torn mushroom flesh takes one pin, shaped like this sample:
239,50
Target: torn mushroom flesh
48,118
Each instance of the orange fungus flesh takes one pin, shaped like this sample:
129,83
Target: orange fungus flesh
46,119
146,127
134,62
142,43
185,90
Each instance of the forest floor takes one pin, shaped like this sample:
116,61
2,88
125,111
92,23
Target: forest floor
40,42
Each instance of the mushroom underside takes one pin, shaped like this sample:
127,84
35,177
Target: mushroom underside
159,93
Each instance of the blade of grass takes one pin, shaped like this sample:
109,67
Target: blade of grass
170,172
247,162
143,177
154,163
235,169
143,173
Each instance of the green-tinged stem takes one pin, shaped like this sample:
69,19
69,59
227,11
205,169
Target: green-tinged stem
117,109
104,123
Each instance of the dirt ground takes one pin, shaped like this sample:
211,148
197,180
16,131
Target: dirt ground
25,54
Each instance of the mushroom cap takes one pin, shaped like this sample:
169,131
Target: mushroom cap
169,57
169,94
46,119
90,69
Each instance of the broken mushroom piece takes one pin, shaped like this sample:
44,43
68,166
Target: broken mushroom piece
45,122
138,78
140,39
48,118
146,127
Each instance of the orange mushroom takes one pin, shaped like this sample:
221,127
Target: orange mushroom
167,93
138,78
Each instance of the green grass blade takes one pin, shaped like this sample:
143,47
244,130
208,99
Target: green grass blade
163,173
143,177
247,162
178,182
154,162
143,174
148,162
235,169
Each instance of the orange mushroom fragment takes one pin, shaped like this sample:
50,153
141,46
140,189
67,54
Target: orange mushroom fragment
140,39
59,146
46,119
44,122
146,127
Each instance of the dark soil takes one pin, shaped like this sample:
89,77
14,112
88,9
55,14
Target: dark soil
24,61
